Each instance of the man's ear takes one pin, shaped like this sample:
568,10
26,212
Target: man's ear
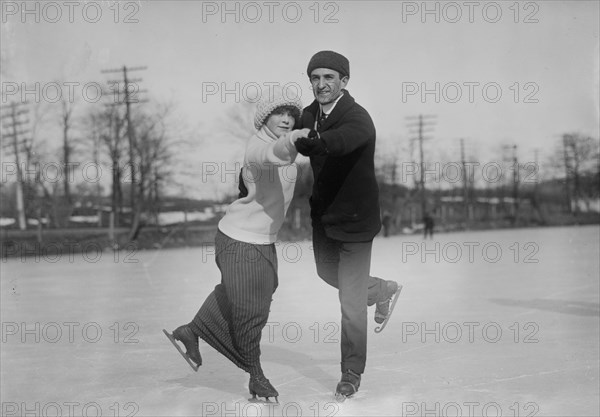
344,81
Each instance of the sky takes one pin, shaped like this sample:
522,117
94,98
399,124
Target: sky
492,73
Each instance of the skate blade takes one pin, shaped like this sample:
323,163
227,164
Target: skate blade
259,400
183,354
380,328
340,398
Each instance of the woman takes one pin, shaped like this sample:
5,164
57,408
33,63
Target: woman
233,316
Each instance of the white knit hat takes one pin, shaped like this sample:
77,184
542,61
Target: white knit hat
272,98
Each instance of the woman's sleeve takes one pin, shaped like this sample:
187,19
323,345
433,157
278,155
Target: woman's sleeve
279,152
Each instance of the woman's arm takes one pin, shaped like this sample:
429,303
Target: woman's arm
279,152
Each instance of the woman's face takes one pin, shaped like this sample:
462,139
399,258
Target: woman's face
280,122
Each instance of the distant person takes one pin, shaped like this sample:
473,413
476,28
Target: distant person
233,316
386,223
345,209
428,224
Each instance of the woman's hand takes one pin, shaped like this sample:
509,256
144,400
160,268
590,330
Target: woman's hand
297,134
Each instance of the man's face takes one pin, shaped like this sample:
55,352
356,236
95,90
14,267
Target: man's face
327,85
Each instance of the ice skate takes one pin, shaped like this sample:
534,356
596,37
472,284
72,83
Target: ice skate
185,335
347,386
260,386
383,309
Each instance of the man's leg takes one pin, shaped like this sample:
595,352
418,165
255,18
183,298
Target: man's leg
354,266
327,255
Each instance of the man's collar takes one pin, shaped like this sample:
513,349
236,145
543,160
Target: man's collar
328,108
345,102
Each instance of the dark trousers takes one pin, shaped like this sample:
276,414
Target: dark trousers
346,266
428,230
233,316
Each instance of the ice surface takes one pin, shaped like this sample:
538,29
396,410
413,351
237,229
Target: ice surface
441,353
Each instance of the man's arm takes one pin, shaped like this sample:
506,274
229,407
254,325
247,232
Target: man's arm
355,131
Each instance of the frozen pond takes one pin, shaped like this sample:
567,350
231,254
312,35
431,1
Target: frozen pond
488,323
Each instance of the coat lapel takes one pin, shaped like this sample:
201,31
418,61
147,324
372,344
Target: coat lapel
311,115
340,108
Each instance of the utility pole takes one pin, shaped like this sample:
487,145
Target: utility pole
96,154
412,159
128,100
465,181
67,149
515,184
534,200
421,125
536,152
16,110
567,172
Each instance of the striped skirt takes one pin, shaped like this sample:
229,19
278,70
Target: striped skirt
233,316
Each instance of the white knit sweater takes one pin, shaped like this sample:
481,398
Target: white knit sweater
269,173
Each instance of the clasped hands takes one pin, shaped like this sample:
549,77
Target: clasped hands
308,142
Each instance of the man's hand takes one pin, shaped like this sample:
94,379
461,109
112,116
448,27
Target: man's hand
311,146
313,134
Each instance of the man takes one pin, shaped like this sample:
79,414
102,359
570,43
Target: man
428,224
345,209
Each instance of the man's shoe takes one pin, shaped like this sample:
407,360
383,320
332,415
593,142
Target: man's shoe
382,309
348,385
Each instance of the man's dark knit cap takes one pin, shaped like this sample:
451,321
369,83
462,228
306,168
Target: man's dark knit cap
331,60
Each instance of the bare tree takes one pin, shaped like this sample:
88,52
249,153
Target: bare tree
109,126
38,191
395,175
66,124
154,149
231,131
580,158
239,121
97,138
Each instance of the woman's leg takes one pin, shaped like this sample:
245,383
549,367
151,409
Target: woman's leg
233,316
